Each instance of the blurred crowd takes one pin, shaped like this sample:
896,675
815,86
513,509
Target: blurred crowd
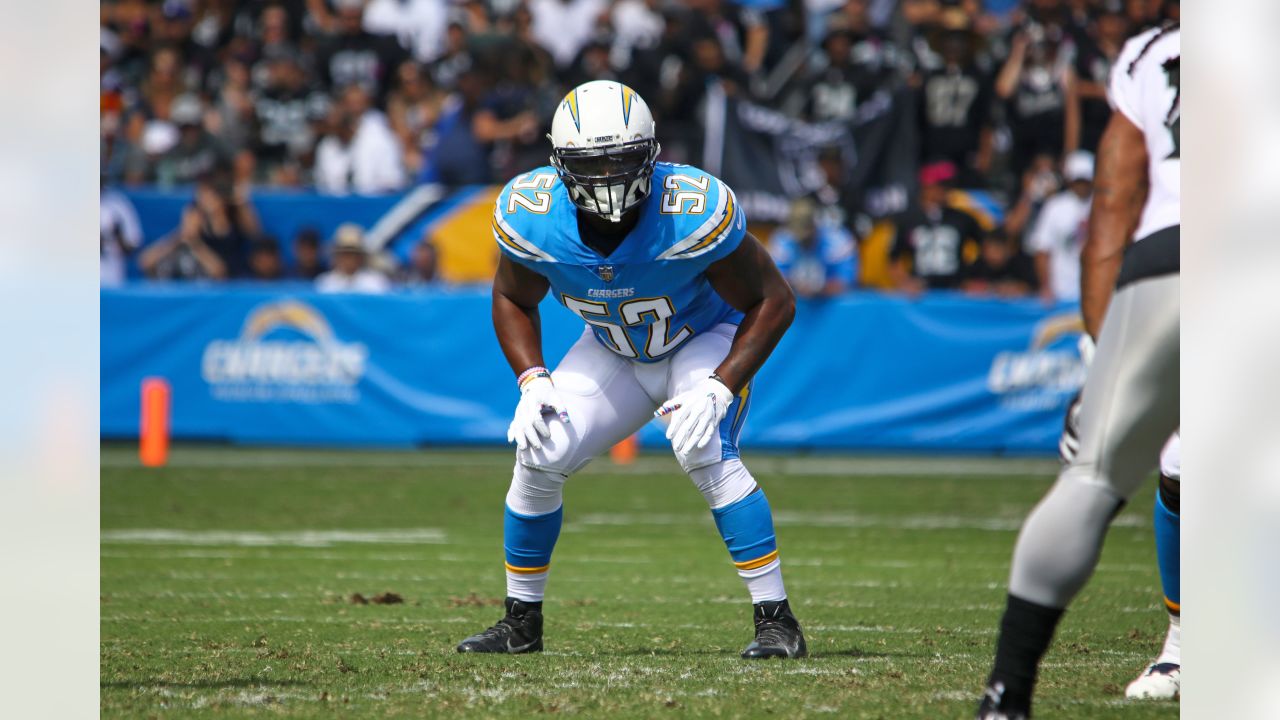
371,96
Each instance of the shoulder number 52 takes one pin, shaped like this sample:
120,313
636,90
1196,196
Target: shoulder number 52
685,194
540,202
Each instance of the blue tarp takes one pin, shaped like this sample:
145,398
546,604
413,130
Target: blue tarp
281,364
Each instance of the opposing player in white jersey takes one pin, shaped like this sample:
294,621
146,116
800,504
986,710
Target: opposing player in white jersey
682,306
1129,404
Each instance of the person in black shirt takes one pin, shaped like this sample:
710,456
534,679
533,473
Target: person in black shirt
1001,269
1033,85
1087,109
308,261
857,60
283,114
955,101
210,241
933,241
356,57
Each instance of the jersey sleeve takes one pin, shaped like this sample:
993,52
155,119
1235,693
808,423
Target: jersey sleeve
515,220
1122,87
714,232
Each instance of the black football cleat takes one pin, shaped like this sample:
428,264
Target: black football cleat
994,706
520,631
777,633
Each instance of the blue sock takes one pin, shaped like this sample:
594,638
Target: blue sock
529,540
1167,549
747,529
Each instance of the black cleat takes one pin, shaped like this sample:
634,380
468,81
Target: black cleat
519,632
777,633
995,706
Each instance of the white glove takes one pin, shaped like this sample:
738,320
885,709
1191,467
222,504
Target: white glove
696,414
538,396
1086,347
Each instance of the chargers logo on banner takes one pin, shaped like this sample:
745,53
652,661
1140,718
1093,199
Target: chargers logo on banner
287,351
1043,375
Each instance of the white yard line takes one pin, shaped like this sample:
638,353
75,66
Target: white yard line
849,520
288,538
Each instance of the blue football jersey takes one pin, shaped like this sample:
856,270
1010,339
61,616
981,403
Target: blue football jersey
651,294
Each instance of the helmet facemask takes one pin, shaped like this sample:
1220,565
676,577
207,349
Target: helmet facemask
607,181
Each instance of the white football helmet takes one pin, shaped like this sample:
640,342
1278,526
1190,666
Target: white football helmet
603,146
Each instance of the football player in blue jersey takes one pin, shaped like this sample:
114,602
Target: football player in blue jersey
682,306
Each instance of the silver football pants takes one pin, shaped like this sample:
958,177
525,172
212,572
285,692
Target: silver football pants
1129,408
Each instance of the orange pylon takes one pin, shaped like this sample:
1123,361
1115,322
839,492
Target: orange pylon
624,453
153,431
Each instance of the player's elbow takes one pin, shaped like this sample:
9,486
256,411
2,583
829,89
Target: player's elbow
786,306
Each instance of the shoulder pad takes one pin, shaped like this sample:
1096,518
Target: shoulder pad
522,204
707,210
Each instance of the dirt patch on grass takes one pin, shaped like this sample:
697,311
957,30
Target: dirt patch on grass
473,600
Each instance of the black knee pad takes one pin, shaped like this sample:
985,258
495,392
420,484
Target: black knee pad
1169,493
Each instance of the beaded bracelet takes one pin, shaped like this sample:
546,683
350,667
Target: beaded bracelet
537,371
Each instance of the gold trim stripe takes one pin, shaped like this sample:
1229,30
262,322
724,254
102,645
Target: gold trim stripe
743,394
758,562
526,571
716,231
506,239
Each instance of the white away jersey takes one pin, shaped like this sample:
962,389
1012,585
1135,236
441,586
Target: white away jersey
1145,87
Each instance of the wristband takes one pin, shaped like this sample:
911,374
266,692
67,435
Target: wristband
536,371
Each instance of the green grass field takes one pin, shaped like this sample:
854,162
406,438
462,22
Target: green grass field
227,578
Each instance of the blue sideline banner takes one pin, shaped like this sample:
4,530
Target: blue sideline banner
281,364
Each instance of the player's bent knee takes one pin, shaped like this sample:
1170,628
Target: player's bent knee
724,482
559,453
534,491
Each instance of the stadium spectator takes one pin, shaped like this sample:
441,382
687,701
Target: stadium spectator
264,259
1001,269
689,81
513,117
933,241
818,259
422,269
955,97
361,154
350,273
231,117
1087,110
1039,182
1032,84
1058,234
638,25
413,109
455,60
120,234
595,62
285,110
211,239
832,91
419,25
563,27
196,152
308,261
456,156
354,56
